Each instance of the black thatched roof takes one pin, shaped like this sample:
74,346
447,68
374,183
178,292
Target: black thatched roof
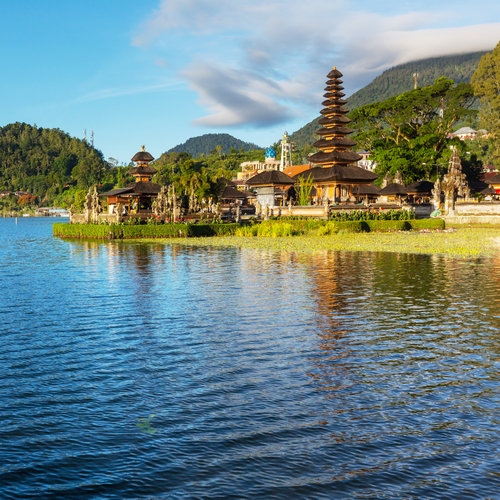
337,156
366,189
142,156
334,88
334,73
488,190
337,96
143,170
146,188
478,186
393,189
343,142
334,104
420,187
231,193
140,188
338,173
270,177
335,130
225,182
494,180
335,120
117,191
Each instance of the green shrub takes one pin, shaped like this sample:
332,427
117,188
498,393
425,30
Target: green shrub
136,231
352,226
434,224
213,229
328,229
299,226
375,214
389,225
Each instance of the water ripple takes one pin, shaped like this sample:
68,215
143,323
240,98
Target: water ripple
150,371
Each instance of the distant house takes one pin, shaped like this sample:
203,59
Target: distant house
365,161
467,133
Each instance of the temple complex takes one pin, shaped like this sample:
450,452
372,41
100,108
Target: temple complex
338,175
139,195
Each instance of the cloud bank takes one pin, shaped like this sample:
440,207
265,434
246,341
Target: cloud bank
262,63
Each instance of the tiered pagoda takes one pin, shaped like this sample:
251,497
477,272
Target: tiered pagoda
138,196
337,175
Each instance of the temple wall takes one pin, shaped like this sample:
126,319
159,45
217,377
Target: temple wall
485,208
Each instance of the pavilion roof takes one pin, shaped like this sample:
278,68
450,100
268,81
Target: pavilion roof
225,182
494,179
393,189
335,120
143,170
142,156
270,177
339,173
335,130
365,189
335,156
344,142
140,188
420,187
230,192
334,73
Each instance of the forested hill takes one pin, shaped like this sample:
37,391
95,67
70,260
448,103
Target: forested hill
41,161
398,80
205,144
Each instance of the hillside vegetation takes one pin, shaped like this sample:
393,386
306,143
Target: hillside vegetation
42,161
208,143
398,80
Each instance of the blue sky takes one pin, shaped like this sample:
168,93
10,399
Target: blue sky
157,72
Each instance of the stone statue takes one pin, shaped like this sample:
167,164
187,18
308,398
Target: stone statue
95,205
160,206
258,209
398,178
436,193
454,182
387,180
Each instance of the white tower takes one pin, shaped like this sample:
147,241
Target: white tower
286,151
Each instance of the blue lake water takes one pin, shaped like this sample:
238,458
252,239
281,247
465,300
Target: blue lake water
154,371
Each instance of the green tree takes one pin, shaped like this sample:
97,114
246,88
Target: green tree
486,83
409,133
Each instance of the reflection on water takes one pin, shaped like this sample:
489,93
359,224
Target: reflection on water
132,370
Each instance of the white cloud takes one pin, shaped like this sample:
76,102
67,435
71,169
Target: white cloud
122,91
271,58
235,97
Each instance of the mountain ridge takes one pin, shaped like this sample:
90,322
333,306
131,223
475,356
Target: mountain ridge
204,144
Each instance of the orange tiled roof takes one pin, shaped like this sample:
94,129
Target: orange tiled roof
296,169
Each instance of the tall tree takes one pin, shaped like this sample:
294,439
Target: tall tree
486,83
409,133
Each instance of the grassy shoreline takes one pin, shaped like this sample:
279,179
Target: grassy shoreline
461,242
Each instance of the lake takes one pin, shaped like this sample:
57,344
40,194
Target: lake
154,371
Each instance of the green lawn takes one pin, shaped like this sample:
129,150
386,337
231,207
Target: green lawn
462,242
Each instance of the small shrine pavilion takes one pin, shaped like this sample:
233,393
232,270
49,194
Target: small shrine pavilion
337,175
138,196
270,187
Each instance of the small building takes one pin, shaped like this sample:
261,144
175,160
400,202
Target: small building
467,133
393,193
138,196
494,182
420,191
271,187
